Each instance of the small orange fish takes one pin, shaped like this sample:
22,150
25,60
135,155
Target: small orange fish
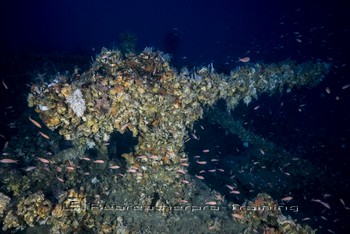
181,171
345,86
325,204
114,167
205,151
244,60
99,161
5,146
8,160
235,192
60,179
34,122
124,127
194,136
30,168
238,216
287,199
44,160
4,84
342,201
86,158
200,177
212,203
70,168
201,162
44,135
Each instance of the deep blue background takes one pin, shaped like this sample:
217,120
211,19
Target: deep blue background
219,31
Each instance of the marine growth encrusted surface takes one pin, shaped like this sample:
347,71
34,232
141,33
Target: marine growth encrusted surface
141,93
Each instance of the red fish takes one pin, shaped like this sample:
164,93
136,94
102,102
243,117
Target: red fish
201,162
181,171
30,168
212,203
345,86
244,60
4,84
70,168
200,177
8,160
238,216
322,203
60,179
124,127
235,192
44,160
34,122
99,161
44,135
287,199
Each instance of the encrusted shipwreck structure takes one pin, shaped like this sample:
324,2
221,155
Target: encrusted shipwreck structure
145,95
